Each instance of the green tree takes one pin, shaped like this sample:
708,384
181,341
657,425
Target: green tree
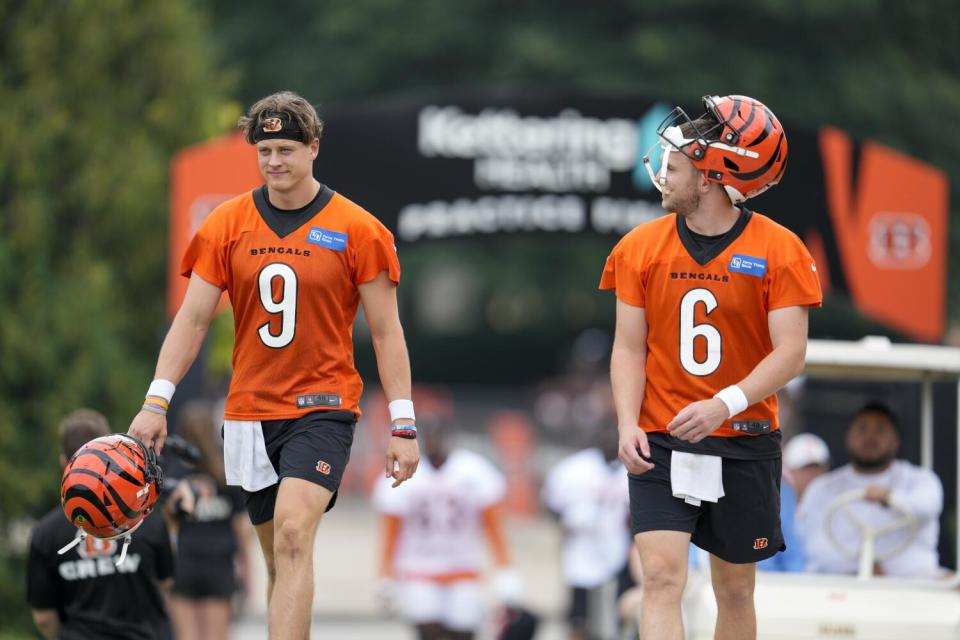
97,96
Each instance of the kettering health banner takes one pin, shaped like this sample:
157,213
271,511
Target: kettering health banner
484,165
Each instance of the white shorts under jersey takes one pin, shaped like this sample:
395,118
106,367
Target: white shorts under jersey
592,499
916,488
441,510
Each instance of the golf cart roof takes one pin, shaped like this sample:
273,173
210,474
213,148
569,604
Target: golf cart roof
875,357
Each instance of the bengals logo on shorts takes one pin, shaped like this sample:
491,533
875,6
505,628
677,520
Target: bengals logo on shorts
323,467
760,543
272,125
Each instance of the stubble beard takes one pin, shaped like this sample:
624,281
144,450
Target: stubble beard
682,203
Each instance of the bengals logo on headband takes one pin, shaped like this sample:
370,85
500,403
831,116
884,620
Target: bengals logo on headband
272,125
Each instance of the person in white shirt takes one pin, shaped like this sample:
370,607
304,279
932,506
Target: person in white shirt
833,542
588,492
434,530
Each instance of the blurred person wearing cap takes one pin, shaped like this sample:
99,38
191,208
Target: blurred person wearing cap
805,457
889,485
433,549
297,260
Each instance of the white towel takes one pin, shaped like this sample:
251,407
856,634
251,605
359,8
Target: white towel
695,477
245,459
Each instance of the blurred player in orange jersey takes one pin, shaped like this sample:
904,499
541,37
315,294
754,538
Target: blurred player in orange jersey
296,259
434,527
712,304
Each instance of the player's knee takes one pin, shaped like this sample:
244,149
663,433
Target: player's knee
289,541
661,576
734,591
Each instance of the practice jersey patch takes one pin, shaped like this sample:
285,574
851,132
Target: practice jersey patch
328,239
748,265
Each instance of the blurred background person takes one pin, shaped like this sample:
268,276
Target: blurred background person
212,534
805,456
872,443
83,594
587,492
433,528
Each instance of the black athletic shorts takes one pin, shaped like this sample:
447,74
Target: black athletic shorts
205,576
314,447
743,526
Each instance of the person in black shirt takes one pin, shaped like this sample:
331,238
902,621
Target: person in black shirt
212,534
83,594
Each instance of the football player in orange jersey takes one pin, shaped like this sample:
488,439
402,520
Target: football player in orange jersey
712,304
296,259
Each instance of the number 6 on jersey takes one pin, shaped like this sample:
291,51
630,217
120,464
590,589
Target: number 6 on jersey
689,332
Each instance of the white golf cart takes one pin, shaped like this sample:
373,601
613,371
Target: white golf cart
791,606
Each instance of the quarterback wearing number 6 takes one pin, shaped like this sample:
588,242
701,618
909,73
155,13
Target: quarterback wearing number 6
712,304
296,260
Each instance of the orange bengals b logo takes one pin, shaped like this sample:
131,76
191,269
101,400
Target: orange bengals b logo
760,543
323,467
272,125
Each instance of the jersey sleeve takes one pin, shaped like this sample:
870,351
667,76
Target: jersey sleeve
794,282
376,252
43,583
622,274
206,255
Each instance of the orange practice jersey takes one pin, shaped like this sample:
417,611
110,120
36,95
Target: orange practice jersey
294,295
707,323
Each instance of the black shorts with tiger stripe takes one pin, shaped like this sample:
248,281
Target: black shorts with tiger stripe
314,447
743,526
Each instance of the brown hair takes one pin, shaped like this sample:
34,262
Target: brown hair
705,124
288,102
196,426
79,427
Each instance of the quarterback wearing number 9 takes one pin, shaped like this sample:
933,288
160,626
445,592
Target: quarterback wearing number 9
296,259
712,304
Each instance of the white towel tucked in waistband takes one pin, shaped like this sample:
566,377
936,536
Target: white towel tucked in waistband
245,459
695,477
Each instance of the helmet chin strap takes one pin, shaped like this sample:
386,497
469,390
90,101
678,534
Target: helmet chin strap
126,536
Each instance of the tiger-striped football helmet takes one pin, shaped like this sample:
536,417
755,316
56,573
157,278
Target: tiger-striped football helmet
110,485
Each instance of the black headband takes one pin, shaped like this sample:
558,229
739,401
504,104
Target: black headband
277,124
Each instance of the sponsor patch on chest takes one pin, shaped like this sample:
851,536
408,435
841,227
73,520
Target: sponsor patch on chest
748,265
328,239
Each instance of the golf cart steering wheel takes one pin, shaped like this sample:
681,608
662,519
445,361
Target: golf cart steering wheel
867,553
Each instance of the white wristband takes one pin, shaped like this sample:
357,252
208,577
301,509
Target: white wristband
401,409
162,389
735,399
